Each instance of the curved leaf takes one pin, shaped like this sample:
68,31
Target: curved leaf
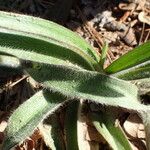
27,48
137,56
27,117
71,117
87,85
115,137
29,36
48,49
51,131
43,29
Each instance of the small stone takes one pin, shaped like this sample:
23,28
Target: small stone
131,126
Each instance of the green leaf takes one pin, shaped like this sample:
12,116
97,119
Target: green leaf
51,131
26,118
137,72
27,48
56,134
137,56
51,43
9,65
71,117
87,85
43,29
104,123
55,57
103,55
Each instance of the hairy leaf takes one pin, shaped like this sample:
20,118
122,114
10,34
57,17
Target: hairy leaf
51,43
51,131
27,117
115,137
71,125
87,85
56,58
42,29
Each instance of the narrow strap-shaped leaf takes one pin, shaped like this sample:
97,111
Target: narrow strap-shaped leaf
27,117
104,123
29,48
82,144
43,29
51,131
88,85
103,55
137,72
40,36
137,56
71,117
56,134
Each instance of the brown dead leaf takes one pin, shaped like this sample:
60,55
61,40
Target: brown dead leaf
28,144
128,37
36,135
137,144
93,135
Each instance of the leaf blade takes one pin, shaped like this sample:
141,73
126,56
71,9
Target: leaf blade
104,123
138,55
71,125
51,131
26,118
27,48
44,28
34,34
134,73
87,85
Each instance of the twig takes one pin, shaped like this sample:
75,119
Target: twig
140,41
18,81
91,30
128,13
147,36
